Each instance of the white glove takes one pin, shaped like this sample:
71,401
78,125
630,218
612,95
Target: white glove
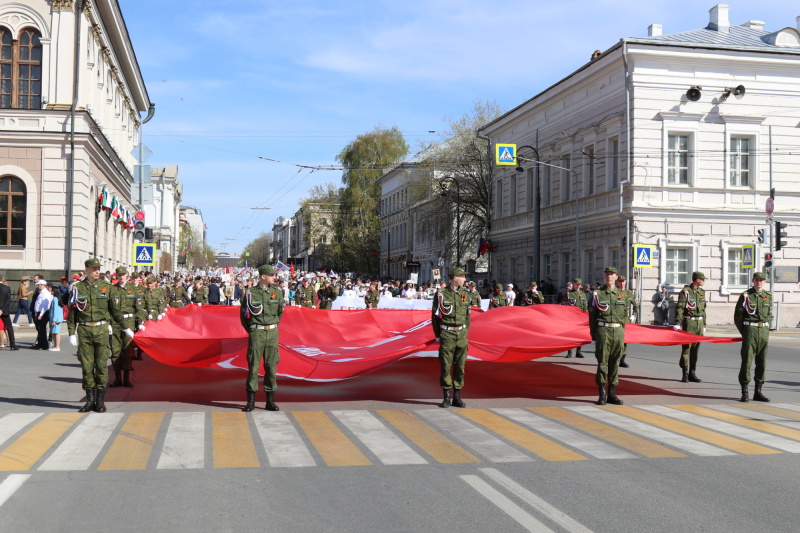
128,332
704,331
676,328
140,328
110,330
149,317
73,340
159,317
199,305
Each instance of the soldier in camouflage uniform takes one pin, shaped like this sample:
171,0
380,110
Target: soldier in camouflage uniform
373,296
532,296
450,321
142,317
498,298
177,294
577,298
690,315
261,311
326,295
124,296
89,324
304,297
633,305
607,318
200,292
752,317
474,295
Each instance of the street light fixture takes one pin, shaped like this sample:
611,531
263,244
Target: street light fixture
458,213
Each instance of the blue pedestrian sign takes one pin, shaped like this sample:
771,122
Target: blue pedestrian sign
144,254
643,255
506,154
749,256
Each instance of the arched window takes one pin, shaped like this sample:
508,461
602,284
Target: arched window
20,70
12,212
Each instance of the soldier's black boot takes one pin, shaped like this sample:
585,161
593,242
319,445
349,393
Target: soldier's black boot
89,405
622,363
578,353
602,399
251,402
745,395
271,402
446,401
100,403
612,395
457,398
126,381
685,377
693,377
569,354
757,396
117,379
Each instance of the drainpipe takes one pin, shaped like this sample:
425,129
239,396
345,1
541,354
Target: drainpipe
71,171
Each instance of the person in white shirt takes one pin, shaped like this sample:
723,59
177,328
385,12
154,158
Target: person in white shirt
41,311
510,294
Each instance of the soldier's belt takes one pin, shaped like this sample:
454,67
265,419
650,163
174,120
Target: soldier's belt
757,324
271,326
453,328
93,324
693,318
130,315
610,324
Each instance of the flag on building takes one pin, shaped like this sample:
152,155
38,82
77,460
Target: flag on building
281,266
484,246
115,212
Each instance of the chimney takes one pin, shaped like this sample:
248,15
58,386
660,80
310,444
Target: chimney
656,30
719,18
754,25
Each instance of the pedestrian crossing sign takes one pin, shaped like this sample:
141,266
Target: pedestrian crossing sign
643,255
144,254
506,154
749,256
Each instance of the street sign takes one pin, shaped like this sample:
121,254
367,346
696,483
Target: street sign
643,255
770,207
749,256
506,154
144,254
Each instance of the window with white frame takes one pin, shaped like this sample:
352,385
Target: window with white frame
565,266
498,209
740,161
734,273
613,163
566,177
546,185
588,186
530,189
678,158
613,257
678,266
512,196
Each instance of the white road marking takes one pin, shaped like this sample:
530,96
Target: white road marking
651,432
506,505
184,445
552,513
479,440
757,416
576,439
282,442
387,446
13,422
10,486
84,444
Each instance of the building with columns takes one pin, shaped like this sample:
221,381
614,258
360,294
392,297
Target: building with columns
671,140
71,98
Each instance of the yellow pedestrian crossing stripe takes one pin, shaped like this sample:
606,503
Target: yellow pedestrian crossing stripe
232,439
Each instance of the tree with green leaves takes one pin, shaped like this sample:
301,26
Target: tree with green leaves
257,251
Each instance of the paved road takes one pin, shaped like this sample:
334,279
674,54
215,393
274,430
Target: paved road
531,453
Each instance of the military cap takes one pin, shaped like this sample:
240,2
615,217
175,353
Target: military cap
610,269
698,275
621,277
456,271
178,279
25,278
577,280
759,275
498,286
121,270
533,284
266,269
92,262
150,279
471,283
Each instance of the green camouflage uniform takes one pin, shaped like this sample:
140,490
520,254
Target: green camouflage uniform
372,298
609,307
632,306
450,321
127,300
326,295
577,298
304,297
177,296
91,313
498,299
690,315
531,297
474,298
200,295
260,313
752,318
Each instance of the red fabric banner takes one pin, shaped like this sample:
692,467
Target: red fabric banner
319,345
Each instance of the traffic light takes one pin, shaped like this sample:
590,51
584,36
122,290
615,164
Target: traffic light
762,235
138,226
779,234
767,261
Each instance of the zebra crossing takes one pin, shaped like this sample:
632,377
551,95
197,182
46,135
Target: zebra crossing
232,439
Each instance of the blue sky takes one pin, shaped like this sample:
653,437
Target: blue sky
235,81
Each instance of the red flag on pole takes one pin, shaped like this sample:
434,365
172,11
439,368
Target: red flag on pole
227,269
291,269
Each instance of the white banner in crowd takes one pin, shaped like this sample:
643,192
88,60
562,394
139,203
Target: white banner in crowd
354,302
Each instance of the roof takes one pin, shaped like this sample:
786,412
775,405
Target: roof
738,37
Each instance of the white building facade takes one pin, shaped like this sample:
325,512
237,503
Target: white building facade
49,216
667,140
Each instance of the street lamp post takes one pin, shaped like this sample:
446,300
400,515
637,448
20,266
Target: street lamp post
537,217
458,215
